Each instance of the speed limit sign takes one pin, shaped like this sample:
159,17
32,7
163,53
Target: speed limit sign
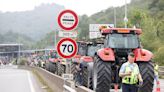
67,48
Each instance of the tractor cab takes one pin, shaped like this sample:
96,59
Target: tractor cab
87,50
53,56
121,41
81,52
82,48
93,47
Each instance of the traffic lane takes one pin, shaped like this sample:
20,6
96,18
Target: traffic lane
16,80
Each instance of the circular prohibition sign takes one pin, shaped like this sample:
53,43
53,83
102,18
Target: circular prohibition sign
67,48
68,20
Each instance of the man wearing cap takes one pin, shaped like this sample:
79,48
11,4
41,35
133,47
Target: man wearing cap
130,74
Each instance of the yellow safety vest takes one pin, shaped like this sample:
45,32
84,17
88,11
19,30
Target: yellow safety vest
156,67
133,79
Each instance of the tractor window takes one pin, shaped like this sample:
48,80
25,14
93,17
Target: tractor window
123,41
53,55
92,49
82,50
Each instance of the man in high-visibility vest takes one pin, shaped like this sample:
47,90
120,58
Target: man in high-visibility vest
130,74
156,69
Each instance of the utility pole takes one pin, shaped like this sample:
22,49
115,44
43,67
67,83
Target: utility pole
125,18
115,21
18,58
55,37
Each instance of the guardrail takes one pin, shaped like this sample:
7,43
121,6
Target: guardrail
56,83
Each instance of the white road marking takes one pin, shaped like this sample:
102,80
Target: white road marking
30,82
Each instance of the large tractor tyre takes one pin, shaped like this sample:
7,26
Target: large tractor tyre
85,77
102,73
52,67
88,76
59,69
73,68
63,69
47,66
147,73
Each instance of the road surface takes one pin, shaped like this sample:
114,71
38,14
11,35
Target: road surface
16,80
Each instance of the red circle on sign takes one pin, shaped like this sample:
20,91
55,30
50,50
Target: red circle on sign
75,16
60,43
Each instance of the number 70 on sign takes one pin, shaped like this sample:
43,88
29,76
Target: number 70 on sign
67,48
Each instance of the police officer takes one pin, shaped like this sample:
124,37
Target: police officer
130,74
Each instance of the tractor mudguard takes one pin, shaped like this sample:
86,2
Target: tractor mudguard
106,54
86,59
53,60
77,56
142,55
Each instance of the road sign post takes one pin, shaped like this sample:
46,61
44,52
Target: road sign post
67,47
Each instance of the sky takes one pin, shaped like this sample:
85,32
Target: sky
81,7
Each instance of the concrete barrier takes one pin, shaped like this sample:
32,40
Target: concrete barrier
55,82
83,89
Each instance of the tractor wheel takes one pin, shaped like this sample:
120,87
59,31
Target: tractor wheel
52,67
73,68
147,73
55,68
59,69
87,75
102,73
47,66
63,69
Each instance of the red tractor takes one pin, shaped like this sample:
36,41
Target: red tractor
76,58
87,62
85,56
118,42
51,64
63,66
56,64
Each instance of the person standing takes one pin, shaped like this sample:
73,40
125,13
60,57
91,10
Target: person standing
78,74
130,74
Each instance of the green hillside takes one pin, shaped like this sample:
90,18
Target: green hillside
147,15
